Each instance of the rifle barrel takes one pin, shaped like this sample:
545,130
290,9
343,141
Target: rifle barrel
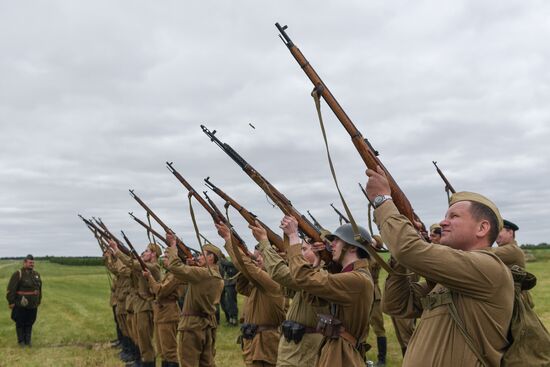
365,150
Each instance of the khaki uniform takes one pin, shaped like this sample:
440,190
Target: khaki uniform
121,287
303,310
482,291
197,326
511,254
351,294
377,319
166,315
143,307
264,307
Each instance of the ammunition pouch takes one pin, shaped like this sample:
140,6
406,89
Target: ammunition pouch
294,331
329,326
248,331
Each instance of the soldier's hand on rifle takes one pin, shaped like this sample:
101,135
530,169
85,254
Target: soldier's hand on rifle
191,261
318,246
259,232
113,244
170,239
289,225
377,184
146,273
223,231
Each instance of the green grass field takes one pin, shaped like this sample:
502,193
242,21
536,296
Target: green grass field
75,322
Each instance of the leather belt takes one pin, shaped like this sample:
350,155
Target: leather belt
198,314
28,293
266,327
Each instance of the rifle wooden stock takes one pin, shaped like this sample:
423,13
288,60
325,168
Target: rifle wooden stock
214,212
366,151
179,243
251,218
134,253
306,227
448,186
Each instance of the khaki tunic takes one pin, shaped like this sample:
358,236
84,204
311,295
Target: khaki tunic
511,255
482,289
197,327
351,293
377,319
166,314
143,308
303,309
264,307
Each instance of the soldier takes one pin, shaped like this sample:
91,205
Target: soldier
350,293
122,285
197,326
143,307
300,341
264,307
229,295
166,313
377,319
466,304
435,233
24,294
510,253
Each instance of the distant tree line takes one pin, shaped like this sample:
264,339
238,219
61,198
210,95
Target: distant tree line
530,246
65,260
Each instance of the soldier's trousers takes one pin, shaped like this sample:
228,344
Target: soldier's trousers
122,324
377,319
228,301
403,331
167,341
130,322
144,334
24,319
197,348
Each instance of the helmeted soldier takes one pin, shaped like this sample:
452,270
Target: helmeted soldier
350,293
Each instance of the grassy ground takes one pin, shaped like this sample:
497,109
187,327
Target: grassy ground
75,323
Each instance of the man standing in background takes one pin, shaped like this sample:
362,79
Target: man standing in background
24,294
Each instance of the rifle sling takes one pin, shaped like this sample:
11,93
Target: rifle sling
372,252
197,232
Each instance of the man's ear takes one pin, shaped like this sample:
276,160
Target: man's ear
483,228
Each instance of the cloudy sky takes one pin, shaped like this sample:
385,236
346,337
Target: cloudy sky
96,96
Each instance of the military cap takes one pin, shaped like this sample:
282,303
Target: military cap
472,196
29,257
155,248
213,249
434,227
345,233
510,225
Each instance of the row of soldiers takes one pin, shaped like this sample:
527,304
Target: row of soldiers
296,313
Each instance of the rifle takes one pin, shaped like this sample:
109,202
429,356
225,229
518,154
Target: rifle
448,186
146,226
106,234
183,249
134,252
273,237
342,216
211,208
363,146
307,228
98,238
315,222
